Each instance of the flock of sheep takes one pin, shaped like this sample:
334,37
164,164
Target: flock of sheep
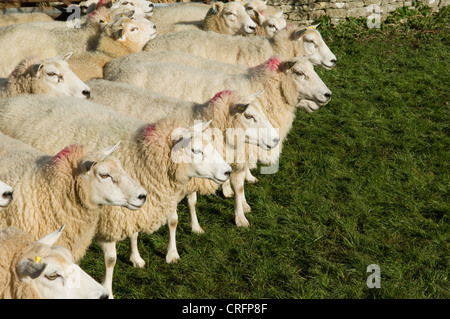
105,128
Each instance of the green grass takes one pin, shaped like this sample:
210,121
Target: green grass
364,180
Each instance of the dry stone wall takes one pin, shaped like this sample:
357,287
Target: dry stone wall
307,11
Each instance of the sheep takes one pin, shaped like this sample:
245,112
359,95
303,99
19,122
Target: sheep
183,13
141,8
118,39
39,269
16,18
35,39
6,195
140,103
268,26
229,18
157,154
198,85
71,187
50,76
287,83
289,42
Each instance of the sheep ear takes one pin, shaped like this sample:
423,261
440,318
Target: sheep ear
258,18
28,270
109,150
66,56
298,33
217,7
51,238
314,27
287,65
246,100
180,138
86,166
279,14
201,126
36,68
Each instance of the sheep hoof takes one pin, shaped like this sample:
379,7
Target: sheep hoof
227,192
172,258
251,179
197,230
137,262
246,207
242,222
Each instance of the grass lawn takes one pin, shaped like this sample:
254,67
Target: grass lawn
364,180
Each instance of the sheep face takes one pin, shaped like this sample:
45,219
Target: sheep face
315,48
108,184
274,24
135,32
52,274
54,77
234,17
254,6
141,8
193,148
301,77
88,6
6,195
247,114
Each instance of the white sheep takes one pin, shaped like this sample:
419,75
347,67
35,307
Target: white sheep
16,18
120,38
183,13
50,76
163,156
69,188
286,83
6,195
269,25
141,8
289,42
227,110
49,39
39,269
229,18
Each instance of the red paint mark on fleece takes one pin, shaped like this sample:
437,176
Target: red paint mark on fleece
149,131
220,95
273,63
63,154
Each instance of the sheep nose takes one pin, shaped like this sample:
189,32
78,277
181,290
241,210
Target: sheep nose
86,93
104,296
328,95
227,174
275,141
333,61
142,197
253,28
7,195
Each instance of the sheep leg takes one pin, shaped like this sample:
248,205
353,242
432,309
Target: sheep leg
110,257
192,201
172,253
238,178
227,191
249,177
135,257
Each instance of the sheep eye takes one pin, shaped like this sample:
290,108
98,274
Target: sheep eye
52,276
134,29
104,176
52,74
271,26
249,117
197,151
101,21
229,13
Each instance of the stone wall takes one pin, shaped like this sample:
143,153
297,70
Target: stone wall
307,11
